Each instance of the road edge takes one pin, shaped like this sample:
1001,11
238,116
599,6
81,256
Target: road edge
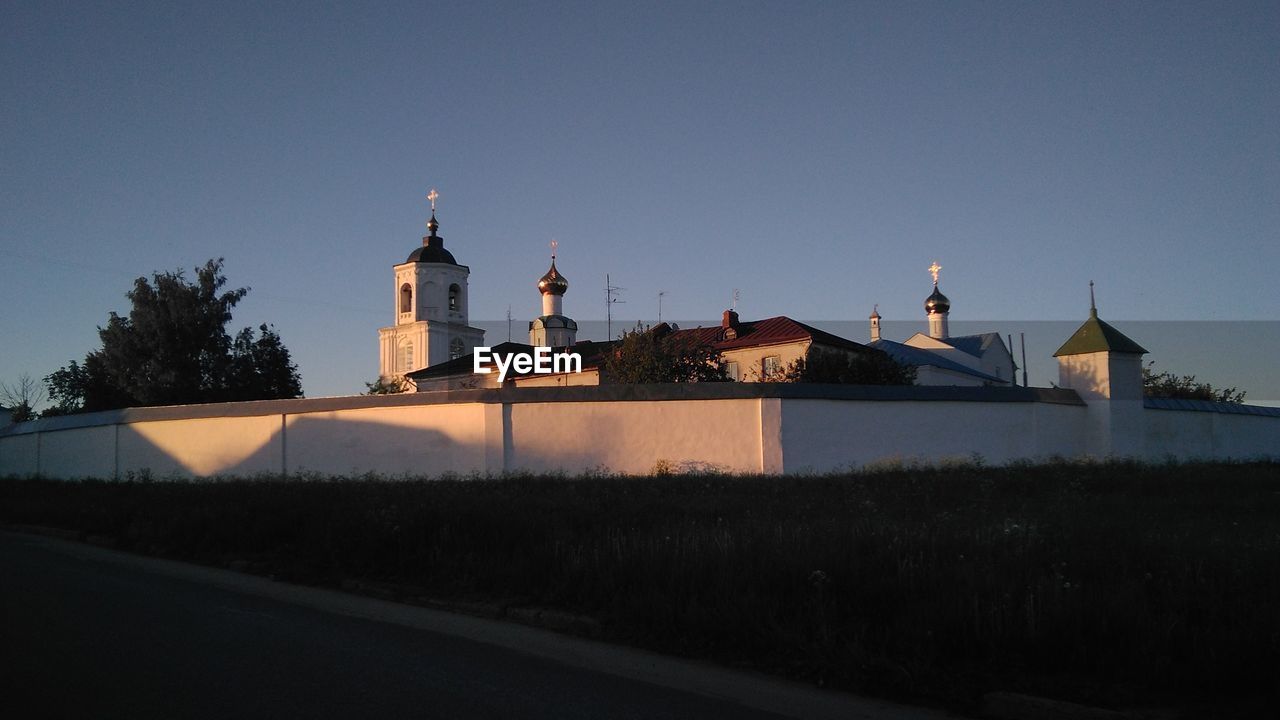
753,690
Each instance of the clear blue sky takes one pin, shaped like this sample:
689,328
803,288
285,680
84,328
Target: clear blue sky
818,156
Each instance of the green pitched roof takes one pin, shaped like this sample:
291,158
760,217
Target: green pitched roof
1097,336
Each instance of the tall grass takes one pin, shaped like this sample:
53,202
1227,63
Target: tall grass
1100,583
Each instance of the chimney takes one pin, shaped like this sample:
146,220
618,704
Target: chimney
730,324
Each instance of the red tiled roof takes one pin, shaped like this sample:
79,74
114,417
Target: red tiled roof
770,331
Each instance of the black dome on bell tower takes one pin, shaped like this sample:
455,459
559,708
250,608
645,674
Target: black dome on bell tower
432,250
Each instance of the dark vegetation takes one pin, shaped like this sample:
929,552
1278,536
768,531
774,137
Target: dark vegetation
659,355
173,348
1107,584
869,368
383,386
21,399
1165,384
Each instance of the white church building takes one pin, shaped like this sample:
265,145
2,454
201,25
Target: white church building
943,359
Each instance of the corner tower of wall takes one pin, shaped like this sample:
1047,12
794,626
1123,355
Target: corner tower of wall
1105,368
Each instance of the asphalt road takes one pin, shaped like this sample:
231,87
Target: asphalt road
85,633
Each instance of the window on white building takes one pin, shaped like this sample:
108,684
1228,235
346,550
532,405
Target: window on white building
771,366
731,371
406,357
455,348
454,292
406,298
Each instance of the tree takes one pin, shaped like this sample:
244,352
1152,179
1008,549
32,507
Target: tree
660,355
22,397
173,348
868,368
1167,385
393,386
83,388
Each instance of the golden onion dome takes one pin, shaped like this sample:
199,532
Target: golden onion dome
937,302
553,282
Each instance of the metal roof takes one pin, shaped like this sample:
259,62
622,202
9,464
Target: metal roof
1097,336
918,357
1164,403
974,345
770,331
432,253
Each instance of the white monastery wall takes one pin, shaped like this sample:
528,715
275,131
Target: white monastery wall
1190,435
631,437
826,435
1246,436
20,455
199,447
1183,435
1061,431
730,427
387,440
79,453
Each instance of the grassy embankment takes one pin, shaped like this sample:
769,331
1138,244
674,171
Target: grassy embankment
1099,583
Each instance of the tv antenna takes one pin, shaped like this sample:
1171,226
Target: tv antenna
660,294
1013,380
610,290
736,297
1024,358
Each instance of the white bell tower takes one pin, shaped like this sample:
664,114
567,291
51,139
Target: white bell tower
432,324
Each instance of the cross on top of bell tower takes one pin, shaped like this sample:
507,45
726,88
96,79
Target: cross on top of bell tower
433,225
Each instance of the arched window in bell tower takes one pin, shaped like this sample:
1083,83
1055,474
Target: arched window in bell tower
406,298
454,292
